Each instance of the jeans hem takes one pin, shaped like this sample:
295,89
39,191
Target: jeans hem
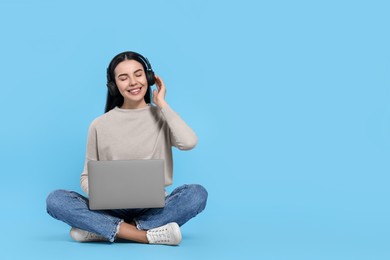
113,236
138,225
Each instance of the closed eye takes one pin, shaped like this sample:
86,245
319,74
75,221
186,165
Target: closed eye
138,73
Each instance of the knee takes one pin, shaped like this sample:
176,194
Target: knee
55,201
199,195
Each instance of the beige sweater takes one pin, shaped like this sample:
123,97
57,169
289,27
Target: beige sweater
145,133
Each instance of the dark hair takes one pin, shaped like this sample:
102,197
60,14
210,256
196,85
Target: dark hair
117,100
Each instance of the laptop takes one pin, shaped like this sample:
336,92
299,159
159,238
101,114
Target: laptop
125,184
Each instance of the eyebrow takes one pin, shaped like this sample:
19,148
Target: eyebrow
125,74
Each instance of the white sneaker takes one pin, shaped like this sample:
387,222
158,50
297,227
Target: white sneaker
85,236
168,234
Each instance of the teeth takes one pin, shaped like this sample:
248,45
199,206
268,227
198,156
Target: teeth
135,90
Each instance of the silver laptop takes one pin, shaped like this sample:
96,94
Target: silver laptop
126,184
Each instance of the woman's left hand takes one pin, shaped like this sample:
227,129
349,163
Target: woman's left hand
159,94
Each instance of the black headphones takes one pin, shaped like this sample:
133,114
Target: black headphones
112,87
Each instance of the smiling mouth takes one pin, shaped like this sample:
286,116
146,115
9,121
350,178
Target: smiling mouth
135,91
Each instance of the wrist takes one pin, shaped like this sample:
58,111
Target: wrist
162,104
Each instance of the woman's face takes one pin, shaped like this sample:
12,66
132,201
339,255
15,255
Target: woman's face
132,84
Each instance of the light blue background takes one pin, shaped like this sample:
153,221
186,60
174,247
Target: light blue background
290,100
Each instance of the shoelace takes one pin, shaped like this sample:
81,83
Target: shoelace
160,235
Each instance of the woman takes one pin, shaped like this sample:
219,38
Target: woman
132,128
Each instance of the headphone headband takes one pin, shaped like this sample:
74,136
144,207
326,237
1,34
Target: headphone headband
146,62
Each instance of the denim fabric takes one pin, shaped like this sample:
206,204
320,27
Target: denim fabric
184,203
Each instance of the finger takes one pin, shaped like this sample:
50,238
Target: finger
161,87
157,79
158,85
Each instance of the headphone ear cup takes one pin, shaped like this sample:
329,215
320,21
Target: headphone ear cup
150,78
112,88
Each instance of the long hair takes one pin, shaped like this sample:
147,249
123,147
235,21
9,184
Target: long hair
117,100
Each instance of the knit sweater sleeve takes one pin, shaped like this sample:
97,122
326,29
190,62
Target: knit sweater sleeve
91,154
181,135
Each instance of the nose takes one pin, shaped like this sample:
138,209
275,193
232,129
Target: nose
132,81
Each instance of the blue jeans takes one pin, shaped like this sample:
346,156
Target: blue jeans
184,203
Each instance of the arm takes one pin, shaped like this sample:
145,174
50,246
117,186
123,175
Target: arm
181,135
91,154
